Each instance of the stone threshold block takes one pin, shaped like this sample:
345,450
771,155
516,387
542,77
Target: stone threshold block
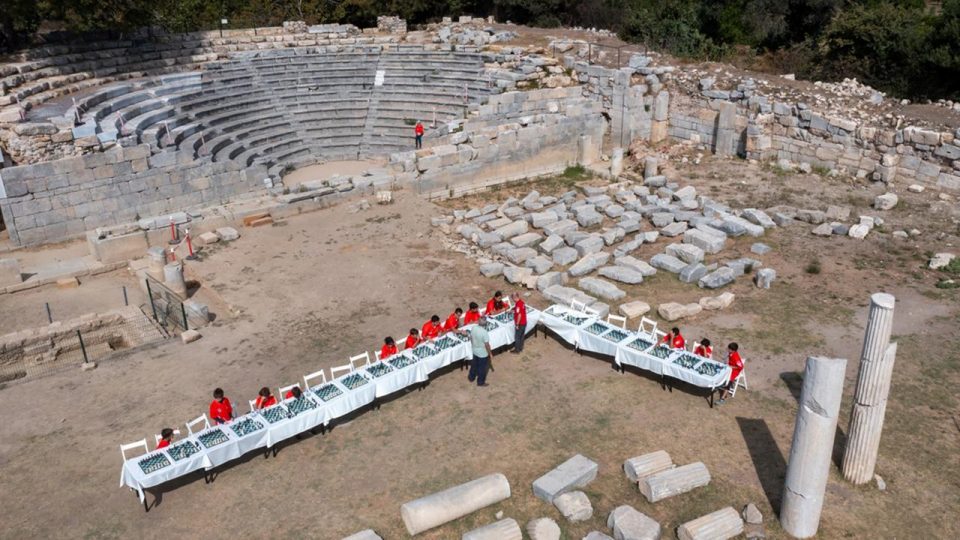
505,529
720,525
666,484
444,506
642,466
629,524
577,471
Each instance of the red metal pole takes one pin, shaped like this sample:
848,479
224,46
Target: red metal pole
192,256
173,232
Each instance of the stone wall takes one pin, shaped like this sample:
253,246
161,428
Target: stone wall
57,200
800,134
516,135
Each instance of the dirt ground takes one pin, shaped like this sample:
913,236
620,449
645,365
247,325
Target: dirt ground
308,292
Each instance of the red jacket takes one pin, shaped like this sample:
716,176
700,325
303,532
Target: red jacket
520,313
471,317
452,323
221,411
412,341
705,352
264,402
418,129
492,307
163,444
676,342
387,351
430,330
736,365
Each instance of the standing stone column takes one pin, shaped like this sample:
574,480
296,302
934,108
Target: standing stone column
616,162
173,278
809,462
873,387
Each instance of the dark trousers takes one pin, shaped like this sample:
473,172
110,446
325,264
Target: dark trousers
419,141
478,369
519,335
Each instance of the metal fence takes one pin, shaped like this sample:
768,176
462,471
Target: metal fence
45,351
166,307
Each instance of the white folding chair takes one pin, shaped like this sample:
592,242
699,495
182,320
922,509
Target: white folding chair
315,375
377,354
647,326
618,320
577,305
355,360
741,380
142,444
157,436
253,405
285,389
344,369
658,336
202,419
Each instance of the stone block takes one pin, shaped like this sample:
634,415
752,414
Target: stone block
228,234
492,269
629,524
492,223
505,529
208,238
693,272
837,213
688,253
713,303
513,229
487,239
559,294
940,260
666,262
635,264
526,240
737,226
190,336
824,229
662,485
589,218
597,535
602,309
743,265
759,249
765,277
622,274
515,274
719,525
564,256
542,219
672,311
613,211
612,236
539,264
602,288
551,243
591,244
574,505
548,280
859,231
10,272
642,466
588,264
661,219
674,229
813,217
632,310
560,227
685,193
718,278
577,471
887,201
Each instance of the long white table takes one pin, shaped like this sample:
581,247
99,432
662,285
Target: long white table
627,347
318,406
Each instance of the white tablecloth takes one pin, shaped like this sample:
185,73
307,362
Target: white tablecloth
131,475
577,335
553,319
